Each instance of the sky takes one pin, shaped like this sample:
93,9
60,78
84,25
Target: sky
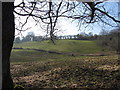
65,25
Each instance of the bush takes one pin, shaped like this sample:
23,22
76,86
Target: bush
110,40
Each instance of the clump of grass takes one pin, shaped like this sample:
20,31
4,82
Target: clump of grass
19,87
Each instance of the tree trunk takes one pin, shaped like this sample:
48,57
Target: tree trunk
8,29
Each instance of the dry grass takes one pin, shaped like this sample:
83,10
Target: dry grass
90,72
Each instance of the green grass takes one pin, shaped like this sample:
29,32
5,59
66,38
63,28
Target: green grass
31,55
71,46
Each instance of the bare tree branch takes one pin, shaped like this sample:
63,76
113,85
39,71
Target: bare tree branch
49,13
108,15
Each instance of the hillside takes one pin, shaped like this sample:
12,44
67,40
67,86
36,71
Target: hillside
34,69
69,46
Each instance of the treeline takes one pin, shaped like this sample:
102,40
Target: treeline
84,36
31,37
28,38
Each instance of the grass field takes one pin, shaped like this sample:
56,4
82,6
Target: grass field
64,46
31,55
74,46
33,69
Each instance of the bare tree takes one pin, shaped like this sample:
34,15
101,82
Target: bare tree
8,30
47,13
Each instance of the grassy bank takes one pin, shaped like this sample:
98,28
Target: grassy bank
71,46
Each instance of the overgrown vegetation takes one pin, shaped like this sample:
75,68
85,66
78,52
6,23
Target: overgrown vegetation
110,40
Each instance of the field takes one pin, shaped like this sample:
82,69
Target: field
36,69
74,46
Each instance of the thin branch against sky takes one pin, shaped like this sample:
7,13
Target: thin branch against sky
70,28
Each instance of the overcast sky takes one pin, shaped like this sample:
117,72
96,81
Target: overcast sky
68,28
